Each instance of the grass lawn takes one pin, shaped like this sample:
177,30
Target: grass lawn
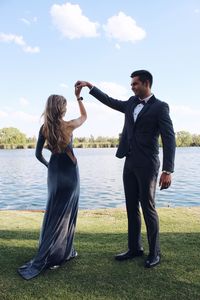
94,274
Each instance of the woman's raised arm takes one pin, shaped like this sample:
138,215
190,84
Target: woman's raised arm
79,121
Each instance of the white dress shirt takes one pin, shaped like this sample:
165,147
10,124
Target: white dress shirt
139,107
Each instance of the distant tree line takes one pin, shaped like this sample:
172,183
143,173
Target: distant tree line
183,139
12,138
186,139
99,142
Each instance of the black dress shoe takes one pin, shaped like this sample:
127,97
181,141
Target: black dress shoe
152,261
129,255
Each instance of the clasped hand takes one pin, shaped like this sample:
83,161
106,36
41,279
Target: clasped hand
78,89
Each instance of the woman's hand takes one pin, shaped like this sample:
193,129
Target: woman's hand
78,89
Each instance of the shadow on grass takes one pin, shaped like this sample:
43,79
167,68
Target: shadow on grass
94,274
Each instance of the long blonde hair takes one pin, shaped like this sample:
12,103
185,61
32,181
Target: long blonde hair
53,124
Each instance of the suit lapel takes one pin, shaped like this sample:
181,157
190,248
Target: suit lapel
134,103
146,107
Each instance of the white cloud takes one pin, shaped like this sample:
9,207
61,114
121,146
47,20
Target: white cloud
7,108
114,90
25,122
31,49
25,21
107,122
3,114
18,40
18,116
29,21
64,85
70,21
124,28
101,120
184,110
197,11
185,118
23,116
117,46
23,101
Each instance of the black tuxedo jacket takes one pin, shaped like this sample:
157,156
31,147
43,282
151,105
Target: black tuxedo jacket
140,139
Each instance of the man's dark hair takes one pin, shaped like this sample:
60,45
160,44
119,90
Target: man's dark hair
143,76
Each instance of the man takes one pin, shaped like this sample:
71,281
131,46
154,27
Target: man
145,119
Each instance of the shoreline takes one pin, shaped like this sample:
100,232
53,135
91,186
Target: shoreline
90,147
102,209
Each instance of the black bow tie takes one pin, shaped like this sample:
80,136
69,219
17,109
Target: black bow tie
138,101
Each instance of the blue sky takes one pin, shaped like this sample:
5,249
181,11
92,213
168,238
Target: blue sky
45,46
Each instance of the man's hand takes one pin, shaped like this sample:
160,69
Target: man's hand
80,83
165,181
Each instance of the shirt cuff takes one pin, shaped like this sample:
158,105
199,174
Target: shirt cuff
166,172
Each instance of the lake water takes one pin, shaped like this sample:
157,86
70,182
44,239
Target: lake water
23,179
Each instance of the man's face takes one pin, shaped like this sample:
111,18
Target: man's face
138,87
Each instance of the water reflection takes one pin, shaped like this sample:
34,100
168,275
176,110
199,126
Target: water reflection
23,179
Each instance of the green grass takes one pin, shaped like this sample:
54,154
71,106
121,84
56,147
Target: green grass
95,274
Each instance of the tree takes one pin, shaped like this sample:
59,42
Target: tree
183,139
11,135
195,140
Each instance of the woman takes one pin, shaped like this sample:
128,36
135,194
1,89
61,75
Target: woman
57,233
